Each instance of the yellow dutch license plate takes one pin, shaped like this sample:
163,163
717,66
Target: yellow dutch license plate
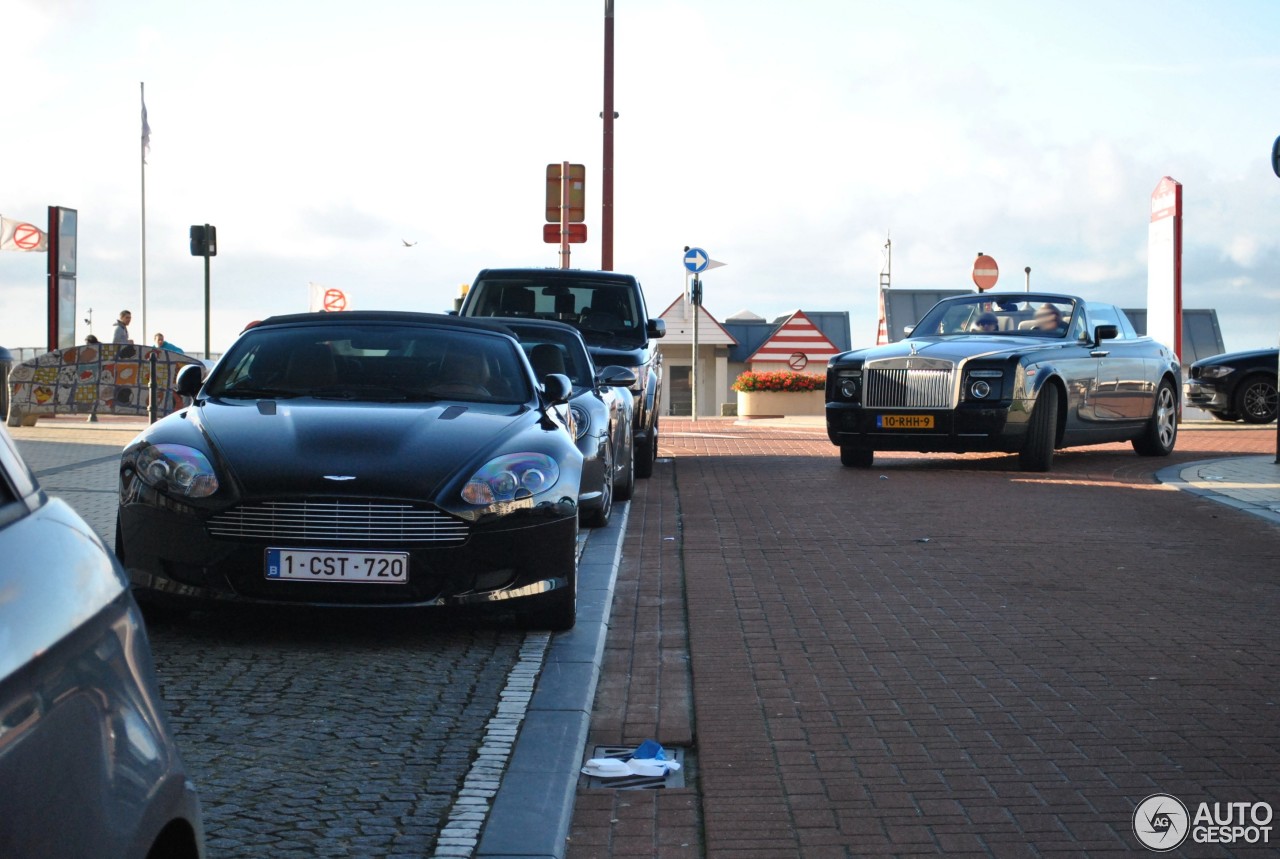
904,421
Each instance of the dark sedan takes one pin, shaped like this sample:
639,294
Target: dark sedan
360,459
1237,386
88,765
1025,373
602,409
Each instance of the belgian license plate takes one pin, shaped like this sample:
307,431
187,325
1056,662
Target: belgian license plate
904,421
382,568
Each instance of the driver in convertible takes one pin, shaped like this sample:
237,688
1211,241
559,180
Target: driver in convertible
986,324
1048,320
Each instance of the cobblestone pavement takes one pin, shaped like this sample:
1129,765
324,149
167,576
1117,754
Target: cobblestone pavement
939,655
324,735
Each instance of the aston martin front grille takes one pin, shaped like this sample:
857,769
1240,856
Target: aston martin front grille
350,522
908,389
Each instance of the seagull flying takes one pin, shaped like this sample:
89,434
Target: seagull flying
407,243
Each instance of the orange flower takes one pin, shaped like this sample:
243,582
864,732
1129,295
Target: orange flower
779,381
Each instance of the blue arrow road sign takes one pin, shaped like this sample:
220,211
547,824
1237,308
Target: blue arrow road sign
696,259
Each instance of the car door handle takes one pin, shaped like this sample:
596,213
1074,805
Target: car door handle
1099,354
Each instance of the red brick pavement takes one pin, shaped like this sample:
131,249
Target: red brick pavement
940,654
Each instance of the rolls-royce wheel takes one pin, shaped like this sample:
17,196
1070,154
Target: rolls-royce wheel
1037,452
852,456
1161,431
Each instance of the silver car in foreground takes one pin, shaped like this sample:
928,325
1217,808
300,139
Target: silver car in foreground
88,767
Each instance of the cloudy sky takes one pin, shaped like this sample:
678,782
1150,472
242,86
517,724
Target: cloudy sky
786,139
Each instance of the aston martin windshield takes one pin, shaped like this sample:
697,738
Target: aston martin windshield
371,361
1030,315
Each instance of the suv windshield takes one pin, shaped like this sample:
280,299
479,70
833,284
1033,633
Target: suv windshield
605,311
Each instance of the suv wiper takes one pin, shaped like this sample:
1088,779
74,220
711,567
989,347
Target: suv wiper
366,392
254,391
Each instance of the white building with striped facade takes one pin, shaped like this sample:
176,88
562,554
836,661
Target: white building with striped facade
802,340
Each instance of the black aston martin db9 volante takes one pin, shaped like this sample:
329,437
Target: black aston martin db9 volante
1015,372
360,459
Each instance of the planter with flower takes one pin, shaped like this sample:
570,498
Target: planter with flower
780,394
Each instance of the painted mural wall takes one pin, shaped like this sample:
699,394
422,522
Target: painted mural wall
106,378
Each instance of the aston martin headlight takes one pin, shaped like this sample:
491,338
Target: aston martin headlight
511,477
177,470
581,421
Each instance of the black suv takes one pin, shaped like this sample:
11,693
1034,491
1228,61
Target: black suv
608,308
1235,386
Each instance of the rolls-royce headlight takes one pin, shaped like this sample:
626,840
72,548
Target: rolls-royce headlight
849,383
980,390
581,421
511,477
177,470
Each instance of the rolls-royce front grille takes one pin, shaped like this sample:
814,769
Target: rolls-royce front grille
349,522
908,389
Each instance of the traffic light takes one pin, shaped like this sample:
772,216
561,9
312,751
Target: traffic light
204,240
695,293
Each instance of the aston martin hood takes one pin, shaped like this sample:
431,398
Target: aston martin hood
287,447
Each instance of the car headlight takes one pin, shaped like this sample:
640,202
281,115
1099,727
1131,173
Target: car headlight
581,421
849,383
177,470
1216,372
978,386
511,477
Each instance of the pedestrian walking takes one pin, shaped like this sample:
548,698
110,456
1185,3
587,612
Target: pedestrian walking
121,334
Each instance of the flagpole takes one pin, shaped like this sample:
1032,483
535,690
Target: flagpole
142,152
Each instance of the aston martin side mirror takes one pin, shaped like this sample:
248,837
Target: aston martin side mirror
189,380
556,388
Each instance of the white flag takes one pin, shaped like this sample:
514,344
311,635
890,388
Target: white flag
328,299
146,134
21,236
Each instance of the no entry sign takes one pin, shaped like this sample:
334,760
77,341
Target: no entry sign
985,272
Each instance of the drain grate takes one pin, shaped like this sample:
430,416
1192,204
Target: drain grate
675,778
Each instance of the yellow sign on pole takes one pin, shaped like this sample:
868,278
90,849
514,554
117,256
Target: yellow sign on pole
577,206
